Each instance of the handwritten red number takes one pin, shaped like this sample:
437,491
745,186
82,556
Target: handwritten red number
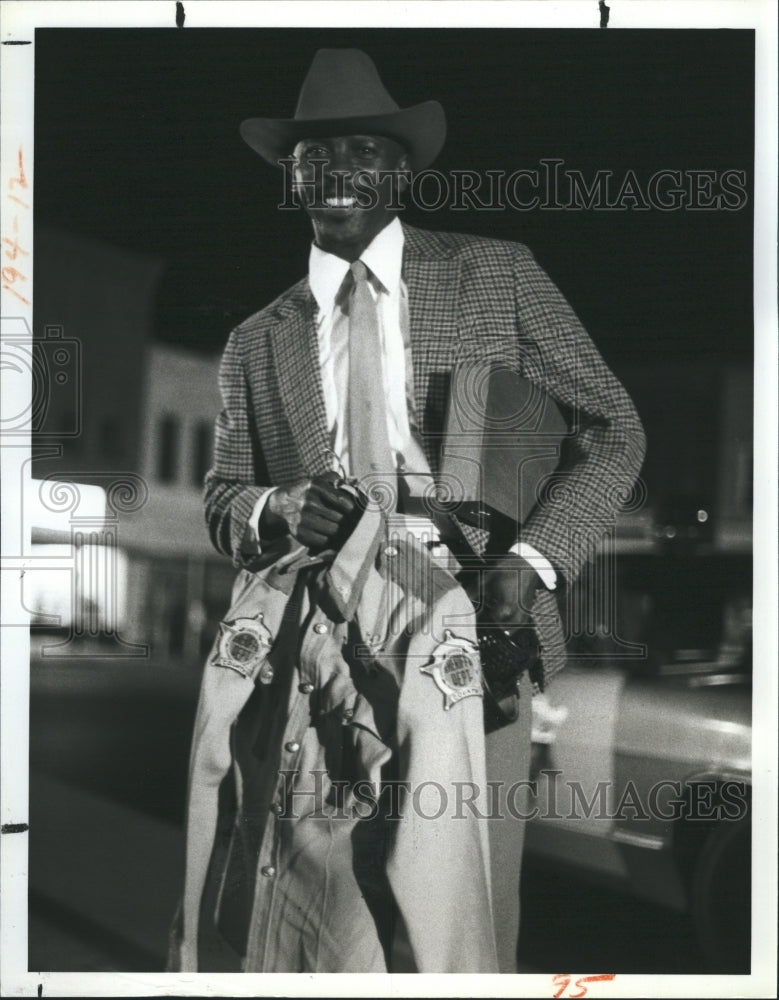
604,978
13,248
10,275
21,179
562,982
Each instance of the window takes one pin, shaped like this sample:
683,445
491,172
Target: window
168,433
201,452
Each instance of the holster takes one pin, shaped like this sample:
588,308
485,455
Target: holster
503,661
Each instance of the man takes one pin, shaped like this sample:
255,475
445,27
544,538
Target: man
325,453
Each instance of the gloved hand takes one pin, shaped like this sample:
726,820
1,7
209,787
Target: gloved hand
314,511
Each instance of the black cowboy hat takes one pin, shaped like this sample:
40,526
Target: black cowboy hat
343,95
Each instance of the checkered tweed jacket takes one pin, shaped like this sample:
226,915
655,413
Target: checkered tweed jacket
469,297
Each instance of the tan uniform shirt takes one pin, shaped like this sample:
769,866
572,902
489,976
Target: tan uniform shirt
372,666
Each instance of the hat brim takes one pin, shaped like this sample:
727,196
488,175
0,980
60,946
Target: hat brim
421,129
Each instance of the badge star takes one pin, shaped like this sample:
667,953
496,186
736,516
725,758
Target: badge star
257,635
455,669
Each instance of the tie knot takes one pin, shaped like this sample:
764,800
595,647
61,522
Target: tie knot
359,271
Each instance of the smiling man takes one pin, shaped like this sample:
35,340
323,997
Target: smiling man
347,183
346,671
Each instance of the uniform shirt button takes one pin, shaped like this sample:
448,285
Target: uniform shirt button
277,808
320,628
268,871
348,714
390,551
305,688
292,747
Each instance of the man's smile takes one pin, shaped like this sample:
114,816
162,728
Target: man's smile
348,202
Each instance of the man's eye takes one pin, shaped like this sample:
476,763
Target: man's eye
366,149
313,152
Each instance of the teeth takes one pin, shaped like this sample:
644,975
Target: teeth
340,202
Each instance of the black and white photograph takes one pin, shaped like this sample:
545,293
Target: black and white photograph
389,499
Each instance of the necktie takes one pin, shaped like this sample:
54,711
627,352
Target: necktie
371,459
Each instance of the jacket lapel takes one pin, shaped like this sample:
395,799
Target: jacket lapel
433,281
296,356
433,284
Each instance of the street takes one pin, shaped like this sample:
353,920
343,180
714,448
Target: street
109,742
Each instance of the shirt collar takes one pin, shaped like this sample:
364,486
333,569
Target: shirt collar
384,257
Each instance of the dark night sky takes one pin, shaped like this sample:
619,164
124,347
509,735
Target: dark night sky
137,143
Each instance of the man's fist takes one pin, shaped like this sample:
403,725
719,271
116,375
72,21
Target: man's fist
506,592
314,511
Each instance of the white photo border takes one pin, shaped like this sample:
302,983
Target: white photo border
19,20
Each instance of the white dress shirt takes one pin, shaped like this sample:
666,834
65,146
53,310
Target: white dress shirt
326,274
383,258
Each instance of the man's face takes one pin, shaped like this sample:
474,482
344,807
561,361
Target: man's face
349,198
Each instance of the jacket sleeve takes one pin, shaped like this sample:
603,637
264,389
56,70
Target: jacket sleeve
603,456
231,485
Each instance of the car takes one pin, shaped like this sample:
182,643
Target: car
641,779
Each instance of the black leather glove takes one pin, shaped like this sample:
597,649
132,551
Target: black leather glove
314,511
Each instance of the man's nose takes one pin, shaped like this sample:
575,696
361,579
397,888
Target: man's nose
338,167
340,163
